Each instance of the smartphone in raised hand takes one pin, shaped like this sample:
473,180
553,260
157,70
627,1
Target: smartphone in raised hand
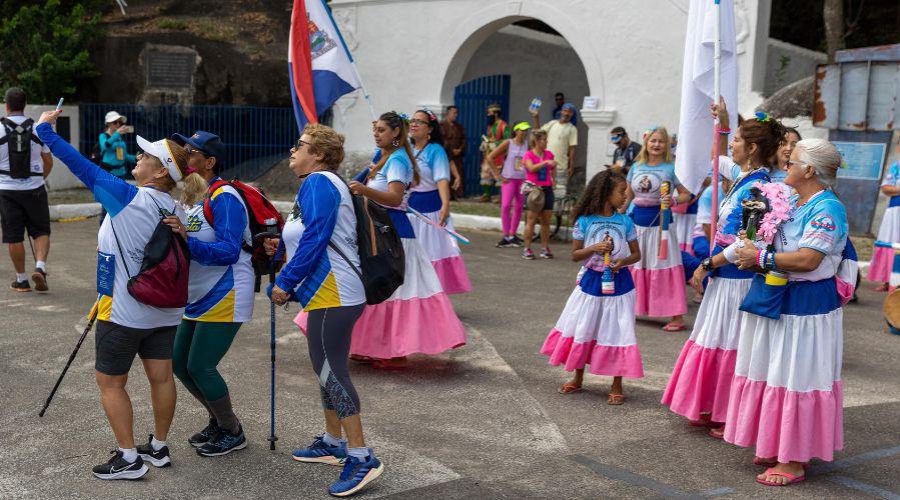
60,103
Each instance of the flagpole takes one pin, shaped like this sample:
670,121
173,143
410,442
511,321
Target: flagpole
362,86
717,56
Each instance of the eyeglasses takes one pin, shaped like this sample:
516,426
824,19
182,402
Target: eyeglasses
300,143
791,163
416,121
191,151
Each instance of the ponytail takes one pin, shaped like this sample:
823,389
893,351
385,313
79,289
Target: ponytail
193,190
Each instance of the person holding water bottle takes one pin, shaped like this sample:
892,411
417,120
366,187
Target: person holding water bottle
596,326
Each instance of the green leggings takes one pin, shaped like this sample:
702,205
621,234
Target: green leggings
199,346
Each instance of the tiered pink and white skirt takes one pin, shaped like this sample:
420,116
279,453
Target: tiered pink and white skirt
417,318
441,248
597,330
659,283
786,396
882,257
701,379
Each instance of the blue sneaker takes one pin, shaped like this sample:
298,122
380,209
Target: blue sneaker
319,452
356,475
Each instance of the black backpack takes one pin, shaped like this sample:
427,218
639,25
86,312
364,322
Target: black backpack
96,155
18,139
381,255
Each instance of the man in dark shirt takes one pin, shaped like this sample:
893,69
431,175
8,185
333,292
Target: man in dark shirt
455,145
626,150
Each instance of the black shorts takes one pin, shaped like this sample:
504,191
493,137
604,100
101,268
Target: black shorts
21,210
549,197
116,346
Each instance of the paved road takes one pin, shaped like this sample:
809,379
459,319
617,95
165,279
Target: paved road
484,421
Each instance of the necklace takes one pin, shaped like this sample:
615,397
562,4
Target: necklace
817,193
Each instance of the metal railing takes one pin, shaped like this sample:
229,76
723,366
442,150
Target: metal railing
256,138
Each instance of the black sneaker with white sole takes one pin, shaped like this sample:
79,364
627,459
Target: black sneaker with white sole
223,443
159,458
119,468
39,276
202,437
20,286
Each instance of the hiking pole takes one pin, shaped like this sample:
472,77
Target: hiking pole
271,233
91,317
31,244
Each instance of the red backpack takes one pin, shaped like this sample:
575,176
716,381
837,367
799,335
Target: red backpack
262,215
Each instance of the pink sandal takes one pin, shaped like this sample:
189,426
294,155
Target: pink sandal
674,327
790,477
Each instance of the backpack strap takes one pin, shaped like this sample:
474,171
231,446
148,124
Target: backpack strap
334,247
207,202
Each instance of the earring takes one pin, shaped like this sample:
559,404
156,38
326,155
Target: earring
395,143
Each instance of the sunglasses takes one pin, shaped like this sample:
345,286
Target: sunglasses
791,163
191,151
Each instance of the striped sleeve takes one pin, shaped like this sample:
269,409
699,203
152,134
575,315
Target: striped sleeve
110,191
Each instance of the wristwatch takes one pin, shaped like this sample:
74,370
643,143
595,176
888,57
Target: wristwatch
706,264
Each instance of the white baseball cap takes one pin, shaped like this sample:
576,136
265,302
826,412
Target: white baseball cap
160,150
114,116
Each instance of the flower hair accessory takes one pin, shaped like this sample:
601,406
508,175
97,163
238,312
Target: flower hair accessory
650,130
431,115
762,116
402,116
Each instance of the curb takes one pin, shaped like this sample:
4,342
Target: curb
74,211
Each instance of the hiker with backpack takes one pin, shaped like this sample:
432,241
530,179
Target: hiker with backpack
320,245
137,313
25,163
220,292
111,151
418,316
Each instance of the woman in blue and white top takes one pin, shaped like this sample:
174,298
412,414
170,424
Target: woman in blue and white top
418,317
126,327
322,261
431,197
889,230
786,396
700,383
659,283
220,292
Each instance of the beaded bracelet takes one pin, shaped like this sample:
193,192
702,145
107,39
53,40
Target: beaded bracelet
760,258
724,131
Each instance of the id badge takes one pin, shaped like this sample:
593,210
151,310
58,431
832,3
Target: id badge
106,273
120,154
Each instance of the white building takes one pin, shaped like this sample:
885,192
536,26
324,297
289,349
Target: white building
414,53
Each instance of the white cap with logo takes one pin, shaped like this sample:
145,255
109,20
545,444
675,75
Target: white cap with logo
160,150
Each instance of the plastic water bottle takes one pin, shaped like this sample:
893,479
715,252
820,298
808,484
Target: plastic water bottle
607,285
535,105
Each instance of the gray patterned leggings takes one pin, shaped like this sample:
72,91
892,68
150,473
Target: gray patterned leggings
328,333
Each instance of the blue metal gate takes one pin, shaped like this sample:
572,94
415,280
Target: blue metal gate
256,138
472,98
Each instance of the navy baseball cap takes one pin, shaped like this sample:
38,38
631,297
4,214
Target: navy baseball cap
205,141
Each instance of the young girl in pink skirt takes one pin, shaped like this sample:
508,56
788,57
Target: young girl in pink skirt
596,326
659,282
889,231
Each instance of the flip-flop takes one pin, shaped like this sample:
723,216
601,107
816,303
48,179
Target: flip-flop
615,399
790,477
389,365
361,359
569,388
716,433
764,463
674,327
700,423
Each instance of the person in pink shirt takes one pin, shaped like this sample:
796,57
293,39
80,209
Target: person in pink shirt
540,170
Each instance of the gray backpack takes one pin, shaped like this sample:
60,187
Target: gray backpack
18,139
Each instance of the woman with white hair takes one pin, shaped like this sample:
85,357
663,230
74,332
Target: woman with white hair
786,396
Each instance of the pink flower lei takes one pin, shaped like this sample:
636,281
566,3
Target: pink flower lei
779,209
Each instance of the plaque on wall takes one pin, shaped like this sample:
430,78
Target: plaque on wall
170,69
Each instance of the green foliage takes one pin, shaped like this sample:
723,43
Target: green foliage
45,46
171,24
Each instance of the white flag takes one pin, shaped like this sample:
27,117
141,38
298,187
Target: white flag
695,127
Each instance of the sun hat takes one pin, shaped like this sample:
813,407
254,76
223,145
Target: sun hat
114,116
160,150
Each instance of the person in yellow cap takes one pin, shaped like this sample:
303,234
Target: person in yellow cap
497,132
512,176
